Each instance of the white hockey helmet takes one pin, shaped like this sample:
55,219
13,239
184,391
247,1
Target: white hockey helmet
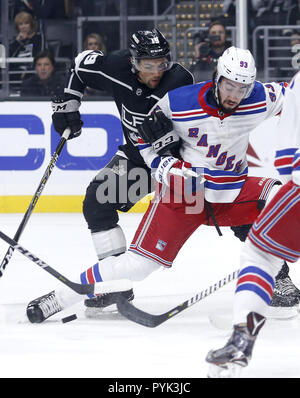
238,65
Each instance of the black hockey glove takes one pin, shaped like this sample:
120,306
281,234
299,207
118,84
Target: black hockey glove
157,130
65,114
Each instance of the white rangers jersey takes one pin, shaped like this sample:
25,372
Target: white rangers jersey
215,141
287,160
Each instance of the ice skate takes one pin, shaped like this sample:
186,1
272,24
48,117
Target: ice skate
286,294
43,307
227,362
286,297
104,305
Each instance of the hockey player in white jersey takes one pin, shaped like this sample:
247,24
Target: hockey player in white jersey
213,120
274,237
224,107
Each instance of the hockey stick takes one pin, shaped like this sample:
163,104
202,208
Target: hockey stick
97,288
35,198
150,320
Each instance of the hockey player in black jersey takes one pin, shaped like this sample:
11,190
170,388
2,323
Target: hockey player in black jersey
136,78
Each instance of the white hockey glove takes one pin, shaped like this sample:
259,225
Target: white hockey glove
170,165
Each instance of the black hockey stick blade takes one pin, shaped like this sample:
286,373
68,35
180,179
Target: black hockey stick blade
141,317
34,199
128,310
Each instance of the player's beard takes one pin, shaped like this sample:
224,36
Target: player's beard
151,81
220,102
229,109
153,84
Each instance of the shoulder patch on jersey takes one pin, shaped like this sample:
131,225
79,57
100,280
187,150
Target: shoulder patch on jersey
185,98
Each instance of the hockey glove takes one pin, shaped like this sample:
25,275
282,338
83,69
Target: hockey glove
169,165
157,130
65,114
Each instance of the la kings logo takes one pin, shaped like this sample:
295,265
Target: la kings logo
131,120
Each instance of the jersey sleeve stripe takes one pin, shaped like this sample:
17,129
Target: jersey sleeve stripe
143,146
105,75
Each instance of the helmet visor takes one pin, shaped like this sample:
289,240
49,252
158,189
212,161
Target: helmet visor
152,65
235,90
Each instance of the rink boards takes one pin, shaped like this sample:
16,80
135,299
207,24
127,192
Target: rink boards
28,141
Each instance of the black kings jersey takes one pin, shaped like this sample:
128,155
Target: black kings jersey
113,73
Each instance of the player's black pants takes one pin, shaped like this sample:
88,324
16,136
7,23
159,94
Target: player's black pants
118,186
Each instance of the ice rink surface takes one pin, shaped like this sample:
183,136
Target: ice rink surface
115,347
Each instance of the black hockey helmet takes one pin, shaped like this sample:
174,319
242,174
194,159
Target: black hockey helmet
149,44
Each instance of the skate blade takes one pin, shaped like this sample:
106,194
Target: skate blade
228,371
108,313
282,312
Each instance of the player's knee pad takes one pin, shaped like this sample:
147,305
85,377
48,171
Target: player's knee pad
111,242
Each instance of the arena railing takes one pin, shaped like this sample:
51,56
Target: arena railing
277,58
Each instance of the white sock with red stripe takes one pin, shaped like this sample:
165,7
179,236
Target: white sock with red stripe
256,282
128,265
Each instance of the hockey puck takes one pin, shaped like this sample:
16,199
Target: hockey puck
69,318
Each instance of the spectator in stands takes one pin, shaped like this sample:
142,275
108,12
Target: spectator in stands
207,51
47,82
28,41
94,41
27,44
